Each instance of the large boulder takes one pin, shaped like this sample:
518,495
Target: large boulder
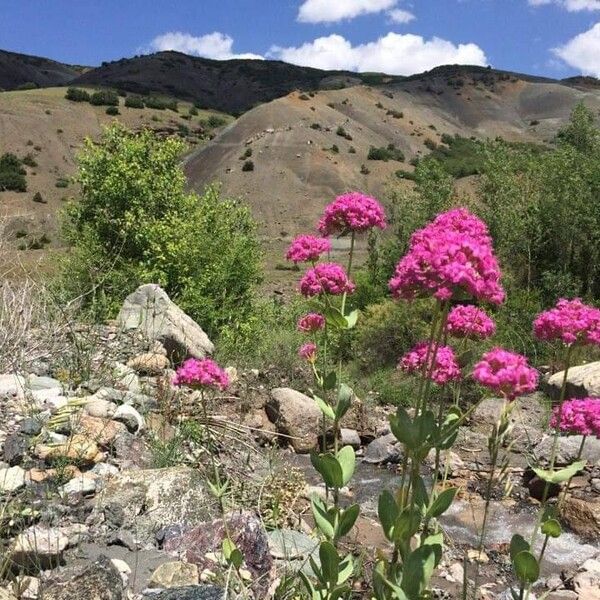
582,381
295,415
582,516
150,310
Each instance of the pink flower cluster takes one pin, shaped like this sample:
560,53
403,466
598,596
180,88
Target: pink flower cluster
578,416
308,351
311,322
326,278
352,212
201,373
445,365
570,321
468,321
306,248
506,373
452,257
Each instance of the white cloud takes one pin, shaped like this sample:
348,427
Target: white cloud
583,51
398,15
570,5
331,11
393,53
216,45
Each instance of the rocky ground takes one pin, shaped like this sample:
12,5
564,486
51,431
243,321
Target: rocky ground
104,493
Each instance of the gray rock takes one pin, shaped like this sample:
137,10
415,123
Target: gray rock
288,544
349,437
582,381
130,417
568,447
150,310
383,450
175,574
295,415
196,592
39,548
15,447
12,479
43,383
30,426
126,379
100,408
84,486
12,385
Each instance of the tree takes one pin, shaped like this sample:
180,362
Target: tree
136,224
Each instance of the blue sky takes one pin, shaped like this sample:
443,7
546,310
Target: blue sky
557,38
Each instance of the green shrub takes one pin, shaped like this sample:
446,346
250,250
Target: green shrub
113,111
21,233
37,197
135,224
388,153
134,102
352,150
104,98
28,85
29,160
193,111
316,126
248,166
77,95
215,121
364,170
12,173
62,182
396,114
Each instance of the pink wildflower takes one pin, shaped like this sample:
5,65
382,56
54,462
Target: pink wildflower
452,257
578,416
307,248
468,321
201,373
308,351
506,372
311,322
570,321
445,366
326,278
352,212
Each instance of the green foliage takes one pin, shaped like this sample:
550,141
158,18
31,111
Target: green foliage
134,102
390,152
136,224
29,160
248,166
12,173
37,197
113,111
458,156
62,182
193,111
77,95
104,98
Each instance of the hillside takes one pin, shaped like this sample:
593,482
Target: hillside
21,69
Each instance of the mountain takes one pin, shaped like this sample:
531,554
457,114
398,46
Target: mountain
18,70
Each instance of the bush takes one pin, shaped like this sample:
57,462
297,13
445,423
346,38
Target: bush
155,103
37,197
247,154
316,126
134,102
248,166
104,98
135,224
12,174
29,160
364,170
62,182
352,150
28,85
77,95
396,114
388,153
113,111
215,121
193,111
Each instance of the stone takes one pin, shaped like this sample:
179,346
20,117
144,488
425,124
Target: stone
349,437
568,449
130,417
295,415
123,568
102,431
84,486
449,461
582,516
587,585
132,452
35,383
149,363
30,427
126,379
29,588
6,594
288,544
99,408
12,385
383,450
77,448
15,448
147,500
196,592
150,310
175,574
12,479
100,581
582,381
39,548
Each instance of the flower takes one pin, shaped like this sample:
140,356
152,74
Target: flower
506,372
307,248
201,373
311,322
578,416
445,367
570,321
352,212
468,321
326,278
452,257
308,351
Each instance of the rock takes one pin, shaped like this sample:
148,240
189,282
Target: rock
539,489
562,595
288,544
126,379
582,516
130,417
15,448
29,588
349,437
582,381
149,363
35,383
262,429
39,548
148,500
99,408
100,581
84,486
568,448
587,585
124,538
132,452
197,592
12,479
77,448
383,450
104,470
12,386
30,427
449,461
175,574
123,568
150,310
6,594
102,431
295,415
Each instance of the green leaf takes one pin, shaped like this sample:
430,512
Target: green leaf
517,544
552,528
562,475
231,553
345,395
346,569
330,381
324,407
407,524
351,319
347,460
526,567
402,427
347,519
420,492
329,468
388,512
330,562
449,430
335,318
442,503
436,541
382,586
417,571
322,517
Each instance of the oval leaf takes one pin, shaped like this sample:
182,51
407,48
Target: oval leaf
552,528
347,460
526,566
442,503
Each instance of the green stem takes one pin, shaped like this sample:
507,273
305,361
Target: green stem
563,495
349,270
